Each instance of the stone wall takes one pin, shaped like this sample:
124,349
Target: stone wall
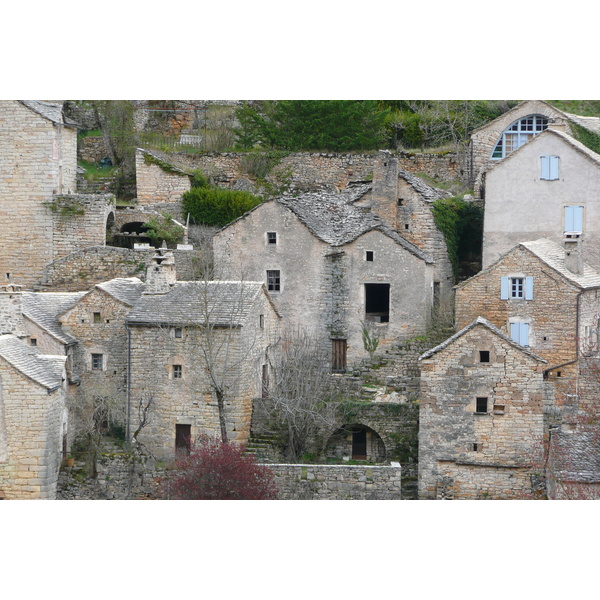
338,482
91,149
302,171
82,269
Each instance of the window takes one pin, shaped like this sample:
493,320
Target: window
177,371
369,256
477,447
481,405
338,356
97,317
178,332
377,302
484,356
549,167
183,438
519,332
573,219
261,321
271,237
97,362
520,288
519,133
274,281
33,341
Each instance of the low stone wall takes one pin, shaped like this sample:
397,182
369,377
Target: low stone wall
91,149
81,270
338,482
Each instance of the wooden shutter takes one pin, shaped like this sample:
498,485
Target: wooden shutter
573,219
545,160
519,332
504,288
338,359
553,167
528,288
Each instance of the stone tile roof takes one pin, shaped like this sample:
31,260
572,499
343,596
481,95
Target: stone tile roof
334,219
219,303
41,368
125,289
553,255
429,193
591,123
492,328
576,454
52,111
43,309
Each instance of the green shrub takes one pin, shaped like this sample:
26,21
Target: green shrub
216,206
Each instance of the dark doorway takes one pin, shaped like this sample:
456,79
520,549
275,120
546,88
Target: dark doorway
359,444
377,302
183,438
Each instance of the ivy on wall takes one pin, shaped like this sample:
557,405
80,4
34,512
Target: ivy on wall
588,138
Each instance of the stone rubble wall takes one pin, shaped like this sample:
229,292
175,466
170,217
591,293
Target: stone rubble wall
83,269
91,149
338,482
300,170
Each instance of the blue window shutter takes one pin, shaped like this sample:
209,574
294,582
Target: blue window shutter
504,288
524,334
553,167
514,332
545,167
569,218
528,288
577,218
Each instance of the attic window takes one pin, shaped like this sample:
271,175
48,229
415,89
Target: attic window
271,237
178,332
369,256
33,341
484,356
97,317
518,133
377,302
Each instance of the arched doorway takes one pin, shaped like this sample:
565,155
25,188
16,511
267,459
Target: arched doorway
356,442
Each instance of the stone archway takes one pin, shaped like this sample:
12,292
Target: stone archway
110,226
356,441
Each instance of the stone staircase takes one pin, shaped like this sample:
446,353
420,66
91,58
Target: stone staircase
263,447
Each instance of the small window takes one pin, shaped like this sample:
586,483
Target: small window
177,371
484,356
400,201
516,288
33,341
178,332
274,281
573,219
519,332
261,321
549,167
406,226
476,447
481,406
271,237
97,362
369,256
97,317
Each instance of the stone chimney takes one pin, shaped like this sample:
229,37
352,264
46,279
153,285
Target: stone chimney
385,188
574,253
11,310
161,275
557,125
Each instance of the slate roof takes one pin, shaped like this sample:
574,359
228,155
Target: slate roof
125,289
49,110
334,219
429,193
43,309
553,255
576,454
492,328
225,303
45,370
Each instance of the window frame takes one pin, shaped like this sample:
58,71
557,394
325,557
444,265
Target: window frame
274,280
97,358
482,400
176,371
272,238
519,132
510,290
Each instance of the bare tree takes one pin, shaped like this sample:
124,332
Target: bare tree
300,406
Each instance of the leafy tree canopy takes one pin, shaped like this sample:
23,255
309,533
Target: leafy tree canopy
296,125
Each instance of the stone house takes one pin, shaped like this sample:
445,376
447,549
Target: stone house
331,267
480,417
42,216
547,188
33,420
544,297
186,340
500,137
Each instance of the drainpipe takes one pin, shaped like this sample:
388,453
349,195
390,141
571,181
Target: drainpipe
127,429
